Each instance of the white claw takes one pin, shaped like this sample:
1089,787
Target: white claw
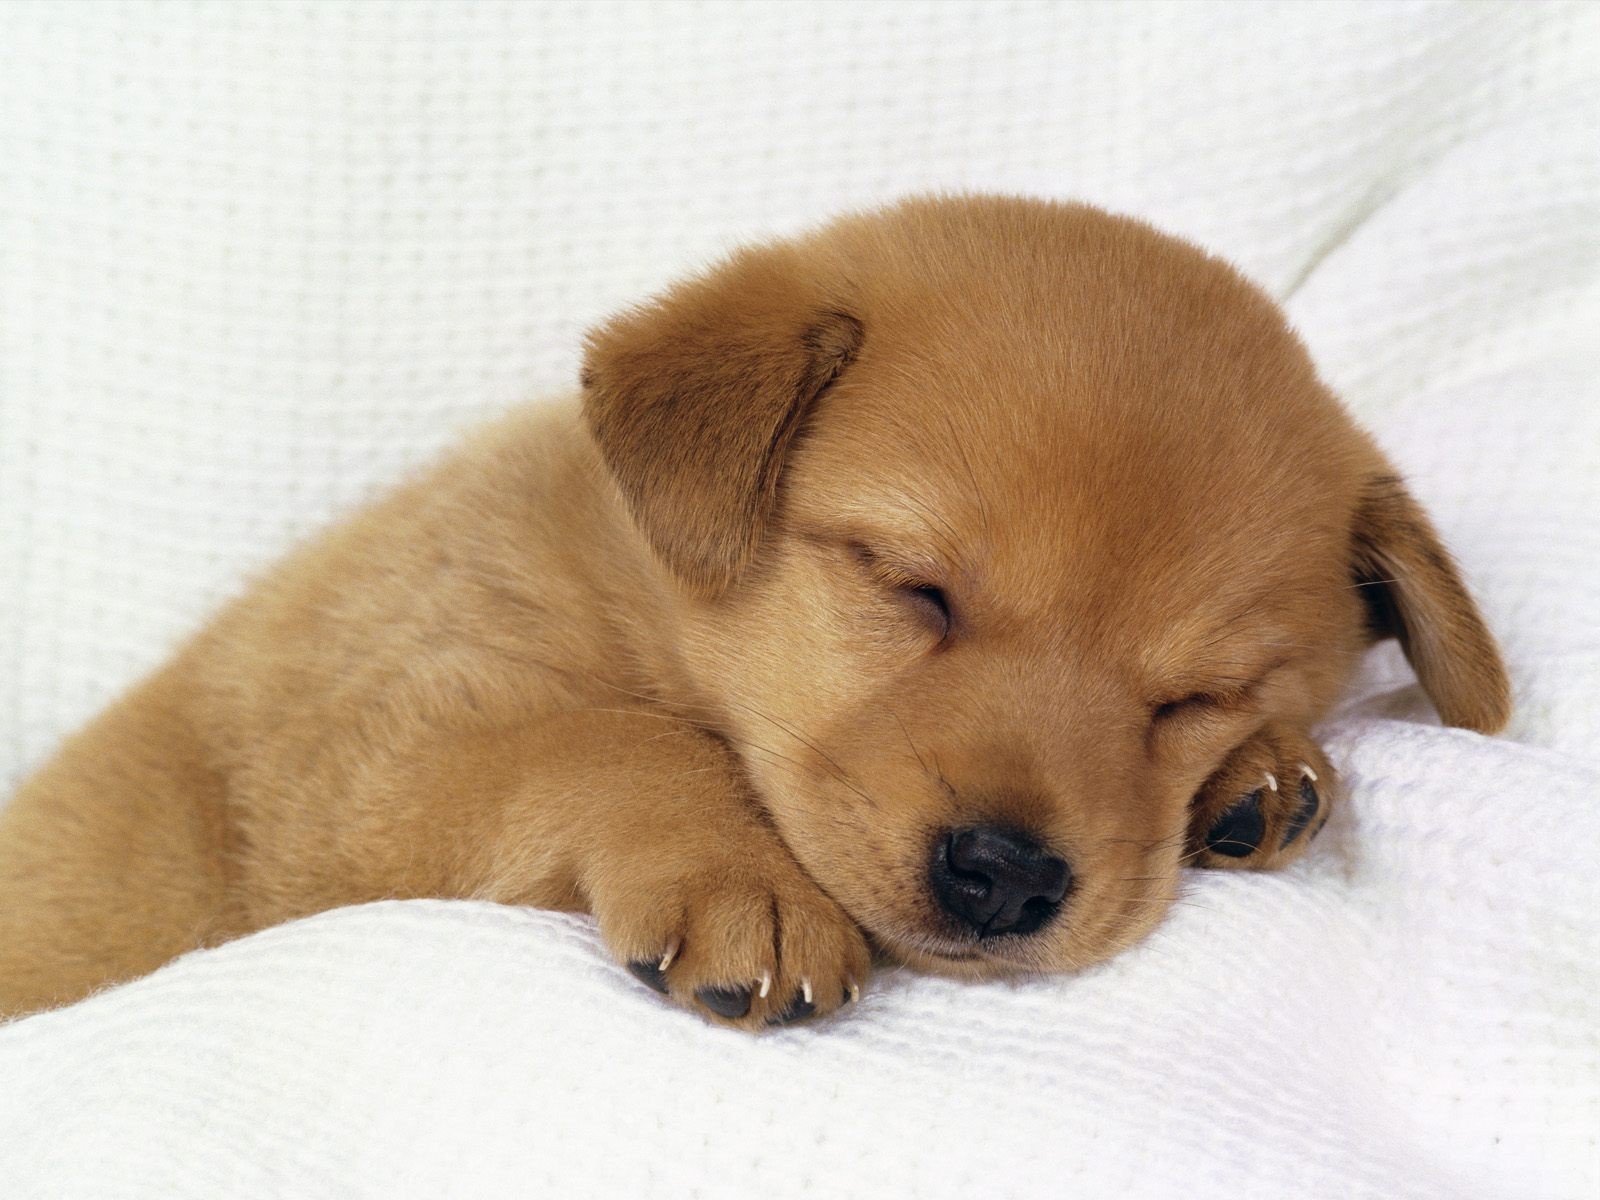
766,984
855,991
1272,781
672,952
1305,769
805,990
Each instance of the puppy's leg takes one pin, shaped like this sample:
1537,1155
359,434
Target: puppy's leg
111,856
1265,805
114,858
648,823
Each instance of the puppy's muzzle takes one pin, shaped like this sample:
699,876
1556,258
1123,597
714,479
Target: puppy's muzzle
995,880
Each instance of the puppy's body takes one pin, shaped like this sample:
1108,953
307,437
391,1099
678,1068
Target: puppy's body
974,552
315,746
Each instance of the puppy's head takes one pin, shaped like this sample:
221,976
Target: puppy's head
997,525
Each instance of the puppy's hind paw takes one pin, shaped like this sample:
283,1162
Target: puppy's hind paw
1264,806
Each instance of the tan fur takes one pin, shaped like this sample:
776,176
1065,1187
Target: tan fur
660,659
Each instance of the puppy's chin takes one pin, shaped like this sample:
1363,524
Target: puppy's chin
965,960
997,958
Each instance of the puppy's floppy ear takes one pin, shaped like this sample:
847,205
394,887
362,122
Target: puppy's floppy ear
1414,593
694,399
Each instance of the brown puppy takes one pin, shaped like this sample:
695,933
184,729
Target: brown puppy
947,577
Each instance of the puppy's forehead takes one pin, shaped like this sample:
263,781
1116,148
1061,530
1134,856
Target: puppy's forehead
1093,414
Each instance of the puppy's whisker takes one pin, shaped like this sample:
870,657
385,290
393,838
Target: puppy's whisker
838,771
910,743
773,754
1122,841
1190,858
697,728
1135,907
939,773
1144,847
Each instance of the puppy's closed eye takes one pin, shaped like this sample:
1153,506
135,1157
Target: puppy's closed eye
929,602
1214,698
1195,723
932,605
1195,704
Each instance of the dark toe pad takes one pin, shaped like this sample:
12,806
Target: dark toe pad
648,972
730,1002
799,1009
1239,831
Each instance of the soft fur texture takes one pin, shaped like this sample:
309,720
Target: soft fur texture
971,511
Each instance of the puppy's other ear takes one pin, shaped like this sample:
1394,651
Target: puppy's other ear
693,400
1414,593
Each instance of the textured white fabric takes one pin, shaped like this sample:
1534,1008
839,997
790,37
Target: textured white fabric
256,260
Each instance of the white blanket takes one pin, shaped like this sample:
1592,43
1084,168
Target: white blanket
255,261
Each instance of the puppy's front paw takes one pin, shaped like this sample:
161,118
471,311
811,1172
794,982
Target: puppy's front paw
1265,805
749,940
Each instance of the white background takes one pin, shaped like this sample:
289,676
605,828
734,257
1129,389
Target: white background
256,260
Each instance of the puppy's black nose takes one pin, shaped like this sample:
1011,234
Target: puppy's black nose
998,880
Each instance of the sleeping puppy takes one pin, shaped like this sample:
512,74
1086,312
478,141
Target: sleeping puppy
940,582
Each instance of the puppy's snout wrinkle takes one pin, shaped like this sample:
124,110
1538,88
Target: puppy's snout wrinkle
998,880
